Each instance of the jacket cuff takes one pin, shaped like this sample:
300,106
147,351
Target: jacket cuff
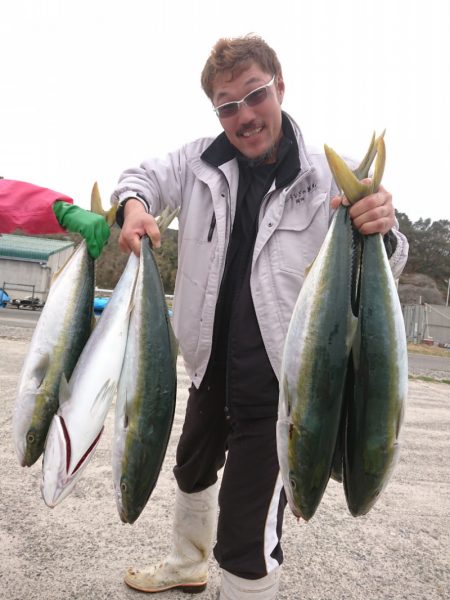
400,255
390,243
123,199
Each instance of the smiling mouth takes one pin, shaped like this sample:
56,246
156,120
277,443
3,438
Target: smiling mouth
251,132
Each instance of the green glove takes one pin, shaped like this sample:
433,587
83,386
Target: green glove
91,226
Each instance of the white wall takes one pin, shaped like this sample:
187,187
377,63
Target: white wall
20,274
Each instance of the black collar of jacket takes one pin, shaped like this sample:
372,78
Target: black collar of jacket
221,150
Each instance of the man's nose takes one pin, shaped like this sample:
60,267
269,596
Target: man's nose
245,113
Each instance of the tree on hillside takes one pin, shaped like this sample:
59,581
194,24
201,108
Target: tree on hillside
429,248
167,259
112,261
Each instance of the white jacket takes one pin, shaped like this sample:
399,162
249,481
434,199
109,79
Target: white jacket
292,225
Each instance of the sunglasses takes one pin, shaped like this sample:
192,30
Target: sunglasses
229,109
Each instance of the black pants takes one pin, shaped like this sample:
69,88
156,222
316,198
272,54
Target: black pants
251,498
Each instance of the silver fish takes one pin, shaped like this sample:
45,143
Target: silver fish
84,401
58,339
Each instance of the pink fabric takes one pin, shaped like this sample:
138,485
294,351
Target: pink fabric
28,207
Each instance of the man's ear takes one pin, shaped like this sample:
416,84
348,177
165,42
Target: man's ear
279,84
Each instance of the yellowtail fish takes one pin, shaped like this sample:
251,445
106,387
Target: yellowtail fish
315,358
377,401
58,339
146,395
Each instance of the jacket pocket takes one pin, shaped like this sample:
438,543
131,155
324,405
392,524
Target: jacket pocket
300,233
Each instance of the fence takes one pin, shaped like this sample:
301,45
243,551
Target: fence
427,323
19,287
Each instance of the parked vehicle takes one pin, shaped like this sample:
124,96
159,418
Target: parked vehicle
31,302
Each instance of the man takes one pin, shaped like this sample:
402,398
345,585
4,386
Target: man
38,210
254,210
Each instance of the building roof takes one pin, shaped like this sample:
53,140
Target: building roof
31,247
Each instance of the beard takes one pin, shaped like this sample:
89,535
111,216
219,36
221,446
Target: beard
268,156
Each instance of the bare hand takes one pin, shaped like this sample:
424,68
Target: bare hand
137,223
372,214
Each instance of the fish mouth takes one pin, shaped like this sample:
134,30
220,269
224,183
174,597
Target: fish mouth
129,516
68,445
20,452
123,516
58,479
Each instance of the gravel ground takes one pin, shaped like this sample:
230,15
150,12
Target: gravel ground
79,550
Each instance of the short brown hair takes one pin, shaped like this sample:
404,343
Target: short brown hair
234,55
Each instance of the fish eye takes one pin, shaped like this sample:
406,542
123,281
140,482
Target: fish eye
293,483
123,486
31,438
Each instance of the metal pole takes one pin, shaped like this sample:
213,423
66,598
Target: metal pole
448,290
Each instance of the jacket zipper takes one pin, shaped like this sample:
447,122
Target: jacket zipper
212,227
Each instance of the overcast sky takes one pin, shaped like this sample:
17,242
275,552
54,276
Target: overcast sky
89,88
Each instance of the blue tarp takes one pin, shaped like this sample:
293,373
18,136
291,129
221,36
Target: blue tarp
100,304
4,298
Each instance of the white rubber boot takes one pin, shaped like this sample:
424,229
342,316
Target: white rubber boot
194,531
236,588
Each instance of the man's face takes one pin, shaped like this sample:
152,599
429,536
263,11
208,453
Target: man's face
254,130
